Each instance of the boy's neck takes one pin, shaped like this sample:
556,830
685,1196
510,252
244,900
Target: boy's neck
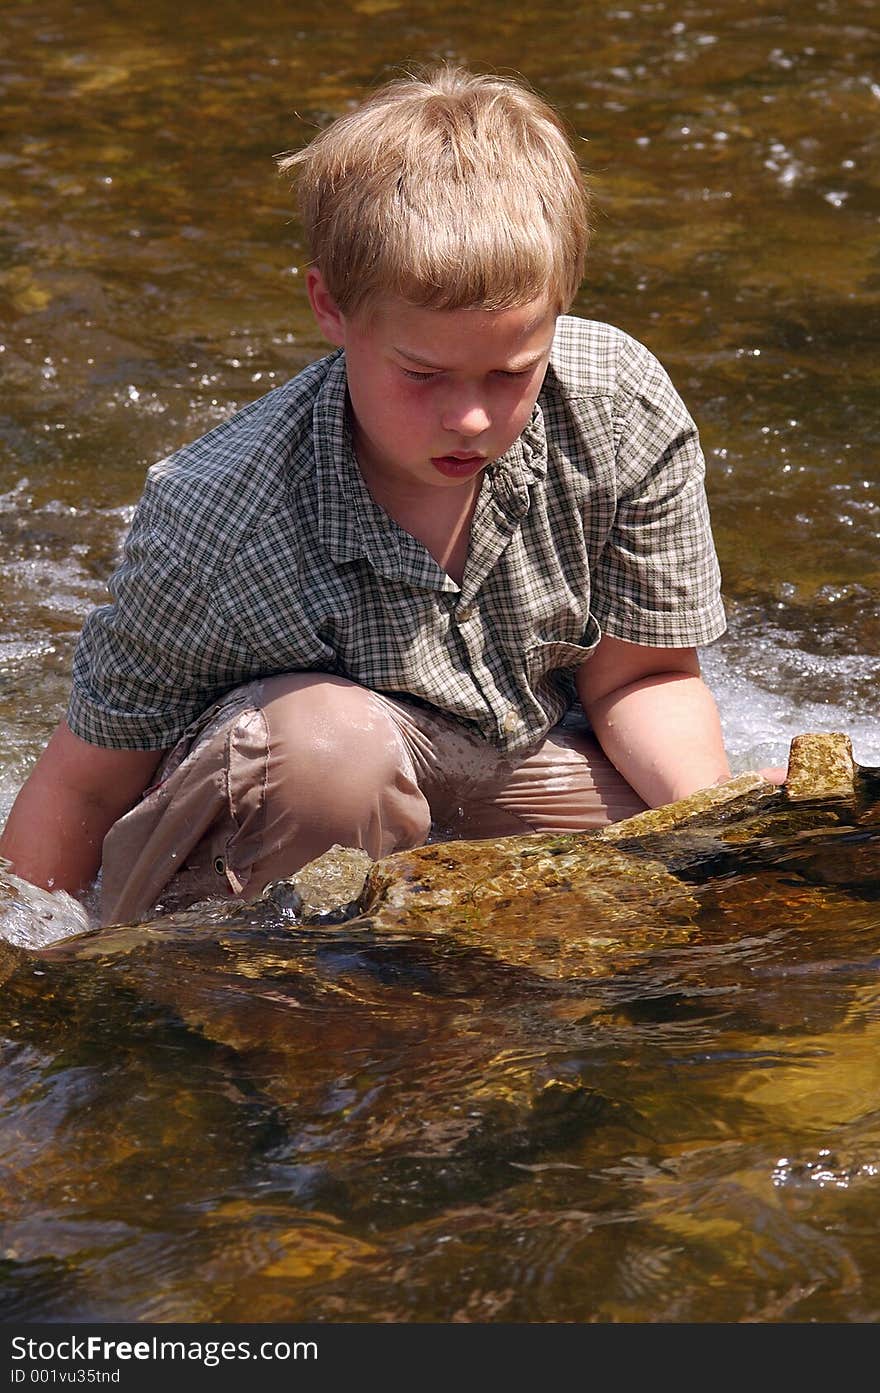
439,518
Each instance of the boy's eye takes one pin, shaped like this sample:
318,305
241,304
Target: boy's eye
427,376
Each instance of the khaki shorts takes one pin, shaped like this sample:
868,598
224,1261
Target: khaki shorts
283,768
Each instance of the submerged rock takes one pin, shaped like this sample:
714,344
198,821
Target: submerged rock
10,958
303,967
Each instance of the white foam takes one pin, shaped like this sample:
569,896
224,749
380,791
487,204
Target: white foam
760,721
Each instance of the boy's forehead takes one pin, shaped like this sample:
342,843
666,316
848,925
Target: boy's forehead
414,329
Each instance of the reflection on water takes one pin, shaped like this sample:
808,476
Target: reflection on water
694,1138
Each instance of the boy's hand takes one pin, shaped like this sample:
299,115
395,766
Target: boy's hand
775,774
654,717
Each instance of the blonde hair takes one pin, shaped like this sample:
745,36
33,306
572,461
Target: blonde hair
449,190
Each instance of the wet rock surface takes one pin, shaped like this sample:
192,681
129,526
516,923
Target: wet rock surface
327,889
820,766
562,906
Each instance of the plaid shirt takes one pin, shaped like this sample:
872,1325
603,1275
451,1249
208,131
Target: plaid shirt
257,549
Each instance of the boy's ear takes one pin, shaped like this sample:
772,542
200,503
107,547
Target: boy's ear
330,318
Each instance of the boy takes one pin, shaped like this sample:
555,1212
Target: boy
451,577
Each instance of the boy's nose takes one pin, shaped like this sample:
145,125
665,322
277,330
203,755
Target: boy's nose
469,419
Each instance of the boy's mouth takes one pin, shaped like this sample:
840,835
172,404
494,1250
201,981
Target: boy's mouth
458,466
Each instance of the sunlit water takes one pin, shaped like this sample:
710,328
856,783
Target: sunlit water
150,283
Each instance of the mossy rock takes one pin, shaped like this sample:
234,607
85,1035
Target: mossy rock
559,905
820,766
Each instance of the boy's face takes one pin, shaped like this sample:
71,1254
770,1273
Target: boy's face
436,395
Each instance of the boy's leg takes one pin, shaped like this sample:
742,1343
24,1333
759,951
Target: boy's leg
567,785
262,783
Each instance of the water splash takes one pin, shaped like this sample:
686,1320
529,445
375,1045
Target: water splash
31,917
760,723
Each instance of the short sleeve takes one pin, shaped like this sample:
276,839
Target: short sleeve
146,665
657,580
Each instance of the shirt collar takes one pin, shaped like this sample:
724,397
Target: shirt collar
343,498
512,475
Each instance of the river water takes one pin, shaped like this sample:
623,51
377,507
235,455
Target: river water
151,277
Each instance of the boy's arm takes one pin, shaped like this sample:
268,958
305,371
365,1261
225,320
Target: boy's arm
75,792
654,717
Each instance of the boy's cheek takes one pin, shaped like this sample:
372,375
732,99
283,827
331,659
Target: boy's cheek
525,407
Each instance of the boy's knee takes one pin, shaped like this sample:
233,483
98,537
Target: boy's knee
329,734
337,768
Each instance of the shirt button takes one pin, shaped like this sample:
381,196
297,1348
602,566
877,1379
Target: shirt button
510,722
464,612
